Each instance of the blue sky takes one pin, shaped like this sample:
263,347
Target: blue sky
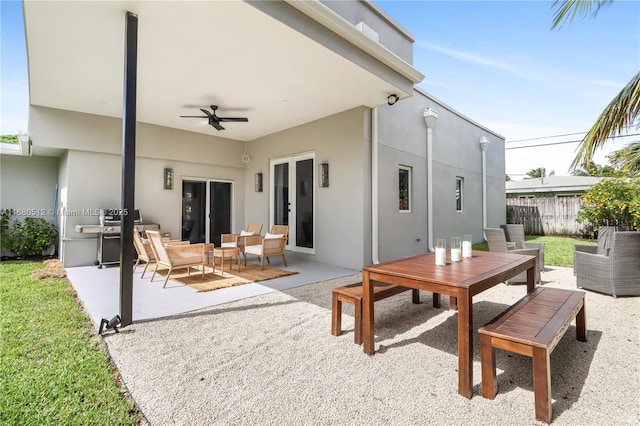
498,63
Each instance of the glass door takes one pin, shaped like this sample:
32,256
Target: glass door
293,199
207,210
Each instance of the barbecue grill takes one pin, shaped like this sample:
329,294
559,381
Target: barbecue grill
109,231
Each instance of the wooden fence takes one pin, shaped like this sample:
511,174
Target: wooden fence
549,215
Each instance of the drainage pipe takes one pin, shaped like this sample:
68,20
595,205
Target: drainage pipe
484,144
374,185
430,118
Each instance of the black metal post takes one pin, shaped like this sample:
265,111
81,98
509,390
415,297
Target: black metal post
128,168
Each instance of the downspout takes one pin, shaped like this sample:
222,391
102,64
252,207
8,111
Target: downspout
484,144
374,185
430,118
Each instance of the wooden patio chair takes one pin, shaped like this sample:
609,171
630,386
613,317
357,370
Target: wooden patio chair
498,243
177,256
515,234
273,243
238,240
145,250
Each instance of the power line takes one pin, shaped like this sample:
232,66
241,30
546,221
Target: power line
563,142
555,136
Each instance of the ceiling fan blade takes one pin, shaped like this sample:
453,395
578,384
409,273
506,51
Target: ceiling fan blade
206,112
193,116
216,125
236,119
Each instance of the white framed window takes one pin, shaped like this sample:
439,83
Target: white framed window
404,189
459,193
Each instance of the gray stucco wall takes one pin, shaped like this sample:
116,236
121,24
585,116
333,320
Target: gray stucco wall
456,153
28,185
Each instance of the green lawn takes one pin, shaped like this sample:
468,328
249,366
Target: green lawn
558,251
53,367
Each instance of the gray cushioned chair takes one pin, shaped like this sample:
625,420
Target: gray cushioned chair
612,267
515,234
498,243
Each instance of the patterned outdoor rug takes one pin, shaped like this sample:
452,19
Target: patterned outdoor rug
247,274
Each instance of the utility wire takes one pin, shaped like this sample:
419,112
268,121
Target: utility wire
555,136
563,142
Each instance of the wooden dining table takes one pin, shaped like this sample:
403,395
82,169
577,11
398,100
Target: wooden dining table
461,280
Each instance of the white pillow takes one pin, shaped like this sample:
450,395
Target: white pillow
245,234
268,236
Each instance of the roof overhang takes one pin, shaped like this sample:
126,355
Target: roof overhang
281,64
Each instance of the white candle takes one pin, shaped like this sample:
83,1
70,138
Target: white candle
441,256
466,249
455,255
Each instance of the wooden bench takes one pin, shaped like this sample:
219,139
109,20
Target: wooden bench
352,294
532,327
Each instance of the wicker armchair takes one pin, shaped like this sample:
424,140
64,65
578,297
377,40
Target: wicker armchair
238,240
498,243
145,251
515,234
614,267
176,256
273,243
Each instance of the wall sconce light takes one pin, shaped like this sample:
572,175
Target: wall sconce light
323,175
258,182
392,99
111,324
168,178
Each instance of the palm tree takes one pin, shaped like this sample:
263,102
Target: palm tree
623,109
627,159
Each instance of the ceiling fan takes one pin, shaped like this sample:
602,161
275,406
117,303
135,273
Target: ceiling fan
214,120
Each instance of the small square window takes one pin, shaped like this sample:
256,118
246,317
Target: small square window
459,193
404,193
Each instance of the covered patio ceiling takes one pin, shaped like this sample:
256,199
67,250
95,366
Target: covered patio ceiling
192,55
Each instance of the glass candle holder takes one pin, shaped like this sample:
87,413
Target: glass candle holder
441,252
456,249
466,246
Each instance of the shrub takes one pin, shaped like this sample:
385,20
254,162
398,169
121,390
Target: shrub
29,237
612,202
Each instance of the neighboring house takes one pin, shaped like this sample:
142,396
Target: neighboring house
549,205
551,186
313,78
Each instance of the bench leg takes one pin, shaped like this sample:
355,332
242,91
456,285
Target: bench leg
488,365
336,315
357,334
415,296
581,324
453,303
436,300
542,384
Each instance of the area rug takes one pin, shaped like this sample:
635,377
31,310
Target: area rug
214,281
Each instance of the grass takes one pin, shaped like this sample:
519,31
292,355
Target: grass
53,367
558,251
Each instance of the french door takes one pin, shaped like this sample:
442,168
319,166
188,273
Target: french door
292,199
207,207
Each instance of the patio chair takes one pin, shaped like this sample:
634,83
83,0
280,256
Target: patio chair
498,243
515,234
177,256
273,243
145,250
238,240
614,267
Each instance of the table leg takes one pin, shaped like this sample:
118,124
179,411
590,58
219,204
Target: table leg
465,344
531,278
367,314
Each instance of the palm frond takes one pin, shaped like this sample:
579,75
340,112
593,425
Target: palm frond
619,114
567,10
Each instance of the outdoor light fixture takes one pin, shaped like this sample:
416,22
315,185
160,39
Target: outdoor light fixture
168,178
323,175
392,99
258,182
112,324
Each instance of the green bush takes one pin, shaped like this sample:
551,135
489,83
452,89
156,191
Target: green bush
29,237
612,202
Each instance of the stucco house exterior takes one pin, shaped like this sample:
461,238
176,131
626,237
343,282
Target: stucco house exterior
315,81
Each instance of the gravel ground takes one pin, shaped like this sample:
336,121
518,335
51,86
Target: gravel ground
271,360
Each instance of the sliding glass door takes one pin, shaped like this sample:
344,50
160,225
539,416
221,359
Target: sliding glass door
207,210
